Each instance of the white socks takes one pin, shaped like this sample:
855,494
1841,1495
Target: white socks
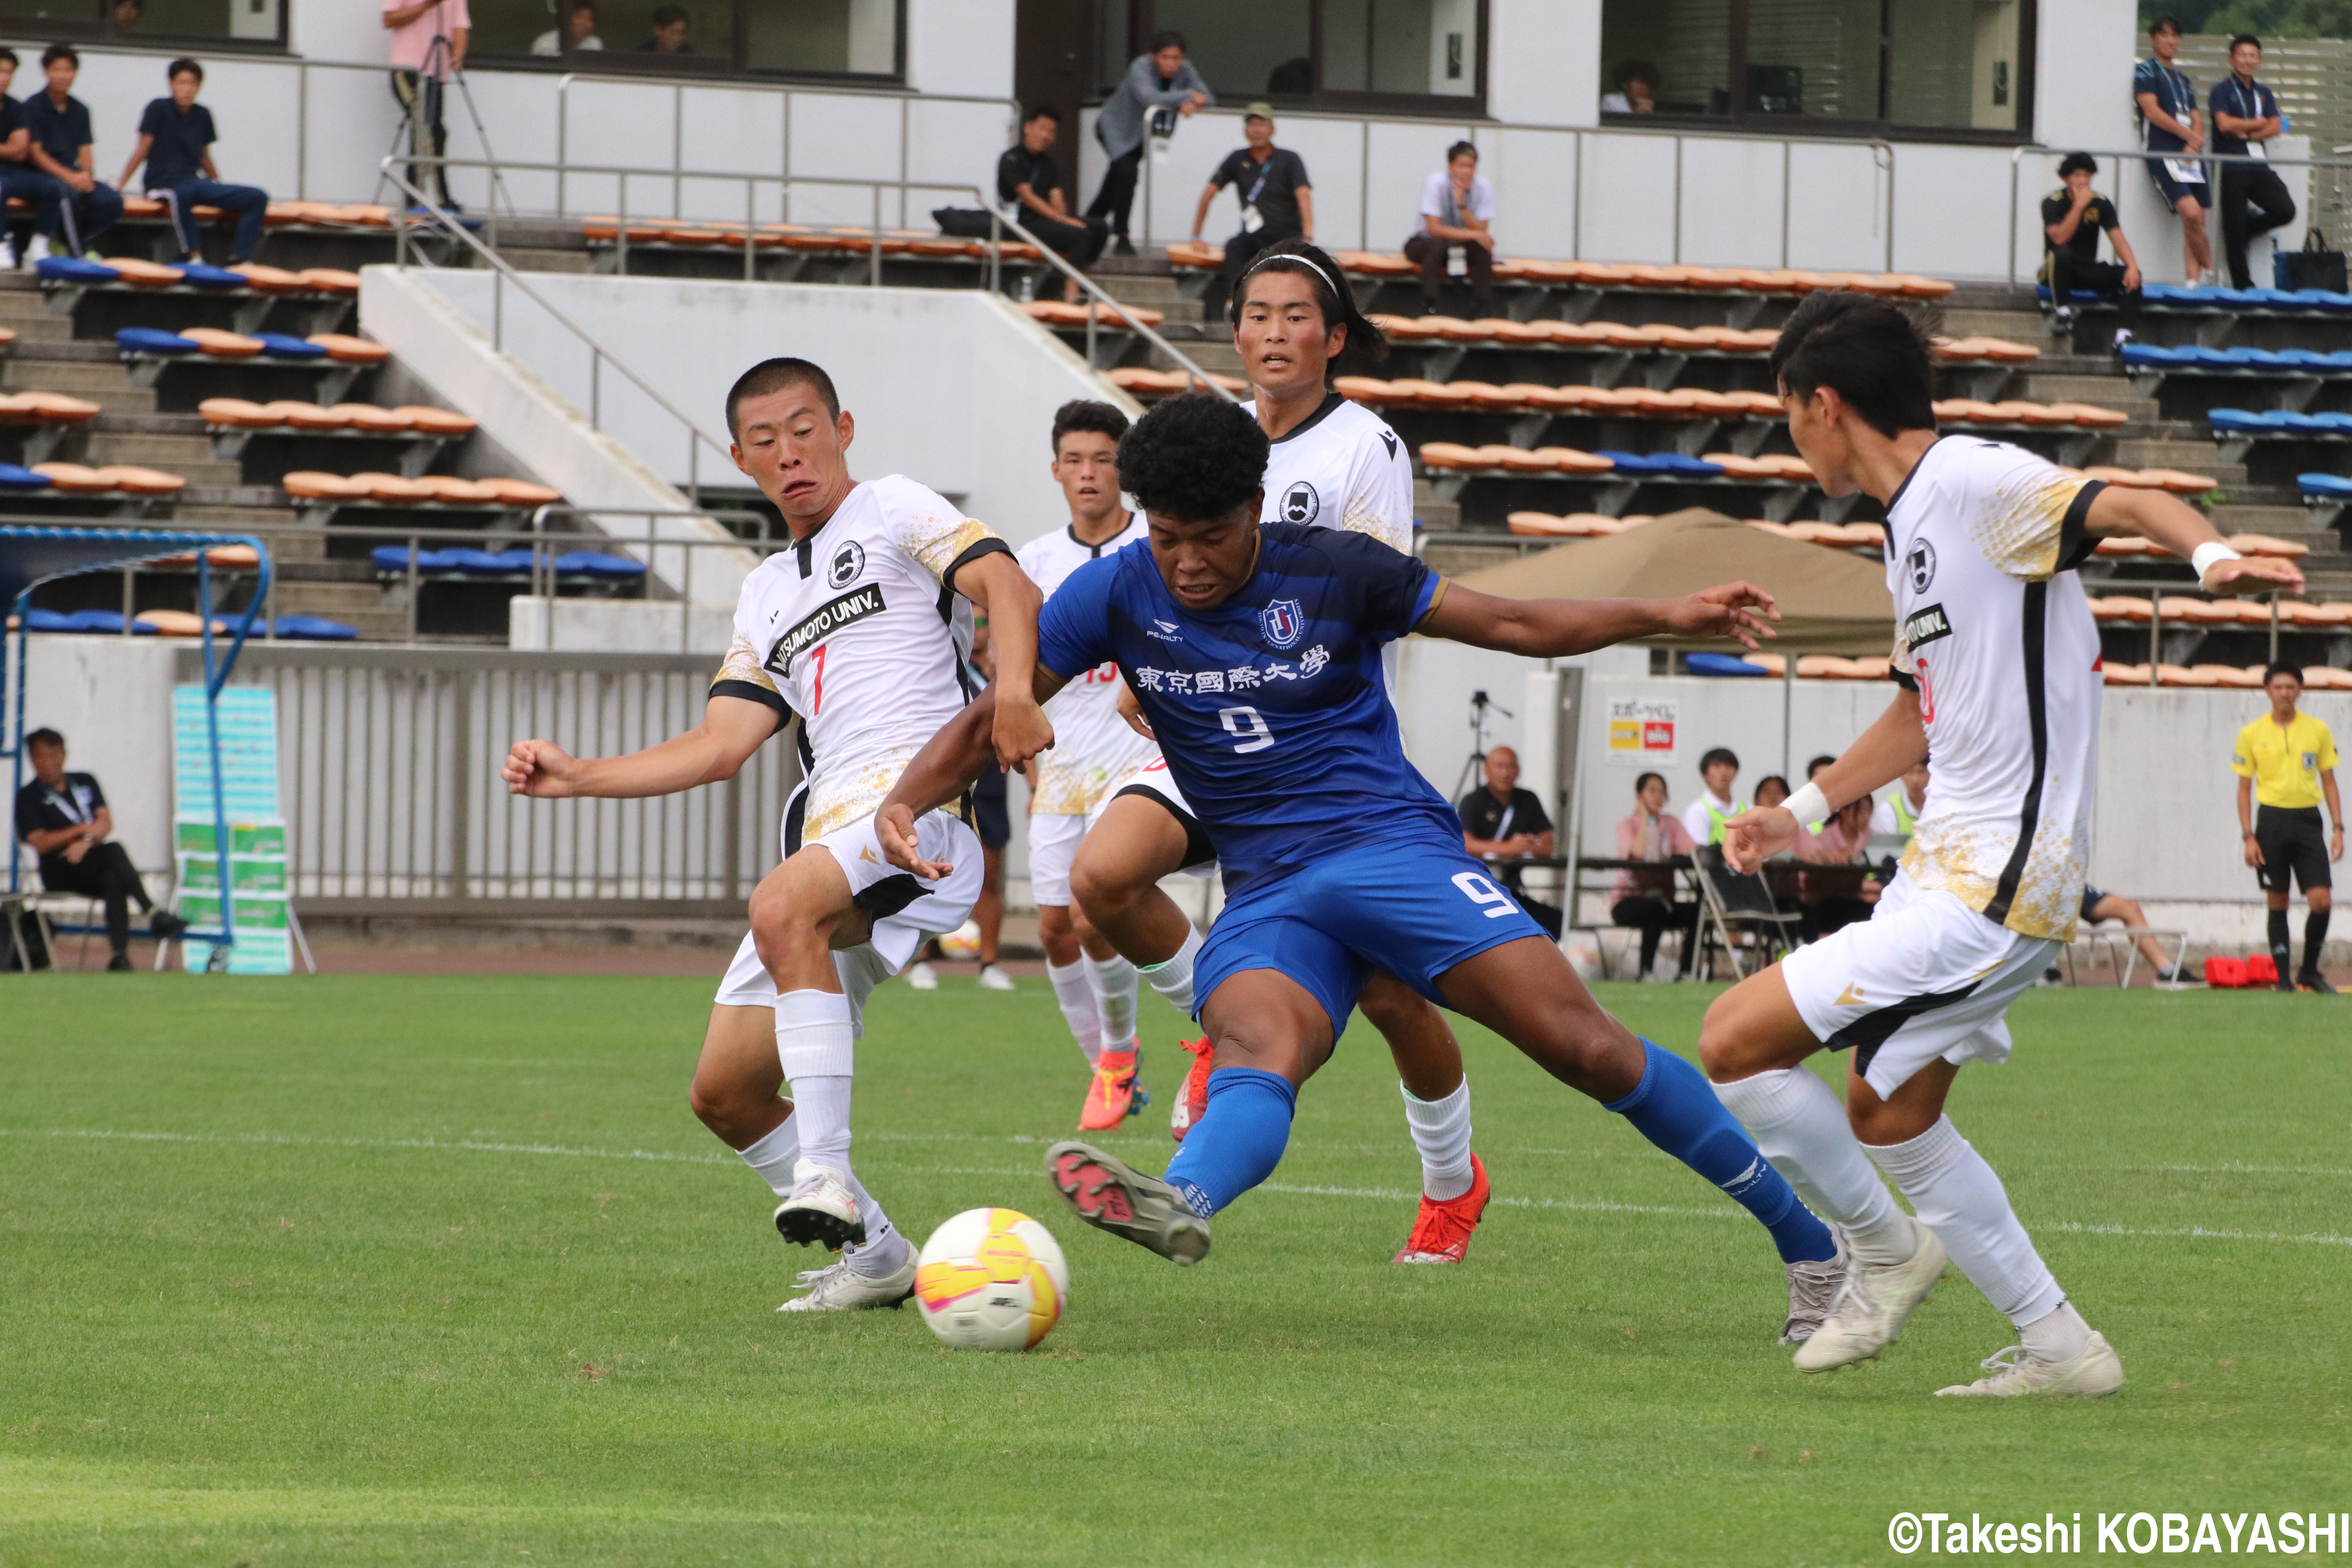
2060,1335
1958,1196
1076,995
814,1044
1173,979
1114,985
1441,1130
772,1157
1801,1127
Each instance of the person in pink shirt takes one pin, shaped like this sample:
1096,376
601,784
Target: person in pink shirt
1646,899
428,48
1844,841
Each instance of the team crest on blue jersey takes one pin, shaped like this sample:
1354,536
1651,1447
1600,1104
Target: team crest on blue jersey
1281,622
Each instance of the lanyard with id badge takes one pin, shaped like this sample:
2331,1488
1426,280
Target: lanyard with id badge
1252,219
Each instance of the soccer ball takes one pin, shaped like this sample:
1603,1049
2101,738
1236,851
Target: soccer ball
964,942
992,1280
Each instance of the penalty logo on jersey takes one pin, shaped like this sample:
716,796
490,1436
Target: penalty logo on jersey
1281,622
847,566
1301,504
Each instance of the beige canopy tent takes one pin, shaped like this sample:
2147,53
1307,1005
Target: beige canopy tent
1831,601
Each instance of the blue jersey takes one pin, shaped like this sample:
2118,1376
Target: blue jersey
1271,709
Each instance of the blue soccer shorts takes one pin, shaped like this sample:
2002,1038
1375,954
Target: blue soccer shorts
1415,910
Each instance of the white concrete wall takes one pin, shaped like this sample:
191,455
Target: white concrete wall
952,387
111,698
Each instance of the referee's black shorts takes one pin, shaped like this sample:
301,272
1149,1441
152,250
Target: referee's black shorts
2293,843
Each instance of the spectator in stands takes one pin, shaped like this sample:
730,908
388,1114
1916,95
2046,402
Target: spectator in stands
1771,790
1898,810
128,13
64,817
1502,822
175,142
1824,903
1456,207
428,48
2285,763
2170,123
579,23
2245,120
1277,202
19,177
1159,87
2073,217
1028,178
670,33
1637,88
1704,817
2098,906
62,145
1646,899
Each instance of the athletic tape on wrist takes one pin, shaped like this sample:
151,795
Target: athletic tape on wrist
2203,558
1809,804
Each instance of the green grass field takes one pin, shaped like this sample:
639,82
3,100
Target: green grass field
360,1271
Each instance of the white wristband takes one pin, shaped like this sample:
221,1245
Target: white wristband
1808,804
2203,558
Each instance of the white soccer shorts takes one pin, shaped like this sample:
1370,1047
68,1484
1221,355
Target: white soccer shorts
1926,976
905,909
1053,847
1154,779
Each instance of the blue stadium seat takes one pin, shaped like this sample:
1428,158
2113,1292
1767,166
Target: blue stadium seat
2324,487
2239,420
39,620
150,341
2242,298
1722,664
314,628
203,277
394,558
1661,465
2288,419
107,621
279,345
2217,359
16,478
74,269
488,563
2156,356
2335,424
589,564
1636,463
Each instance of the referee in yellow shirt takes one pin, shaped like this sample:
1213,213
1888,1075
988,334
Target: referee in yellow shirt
2285,762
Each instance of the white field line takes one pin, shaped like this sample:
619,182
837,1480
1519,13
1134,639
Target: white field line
1381,1195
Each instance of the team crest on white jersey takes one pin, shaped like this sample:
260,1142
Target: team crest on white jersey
848,563
1281,622
1921,564
1301,504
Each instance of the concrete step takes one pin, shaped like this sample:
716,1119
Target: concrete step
2106,391
1156,293
234,515
181,453
104,385
536,260
2195,457
2017,326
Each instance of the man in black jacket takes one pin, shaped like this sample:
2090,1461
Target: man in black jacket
64,817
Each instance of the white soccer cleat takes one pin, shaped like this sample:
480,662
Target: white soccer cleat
838,1288
2098,1370
1812,1288
820,1209
1872,1305
922,977
993,978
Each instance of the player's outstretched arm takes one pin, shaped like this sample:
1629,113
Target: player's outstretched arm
1556,628
941,772
732,728
2181,527
1890,748
997,584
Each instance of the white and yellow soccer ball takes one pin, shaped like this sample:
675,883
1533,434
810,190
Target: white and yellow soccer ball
964,942
992,1280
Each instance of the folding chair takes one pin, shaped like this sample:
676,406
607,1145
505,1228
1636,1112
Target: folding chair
1732,906
39,902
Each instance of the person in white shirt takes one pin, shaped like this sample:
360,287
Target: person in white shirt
1705,819
860,629
1095,753
1997,661
579,20
1458,207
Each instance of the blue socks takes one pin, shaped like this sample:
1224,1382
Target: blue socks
1674,1108
1240,1138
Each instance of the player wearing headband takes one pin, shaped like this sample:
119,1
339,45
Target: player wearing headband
1330,464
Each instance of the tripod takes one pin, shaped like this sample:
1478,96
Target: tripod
424,114
1473,770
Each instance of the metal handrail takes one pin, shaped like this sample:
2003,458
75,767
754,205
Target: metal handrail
698,437
2120,155
999,219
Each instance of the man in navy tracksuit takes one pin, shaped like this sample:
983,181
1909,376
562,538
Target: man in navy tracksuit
19,177
175,139
61,148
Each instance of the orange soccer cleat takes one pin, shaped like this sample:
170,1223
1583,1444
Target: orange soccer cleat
1114,1095
1193,1097
1442,1232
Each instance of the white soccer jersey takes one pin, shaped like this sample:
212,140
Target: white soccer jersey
1343,469
1094,748
855,629
1992,626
